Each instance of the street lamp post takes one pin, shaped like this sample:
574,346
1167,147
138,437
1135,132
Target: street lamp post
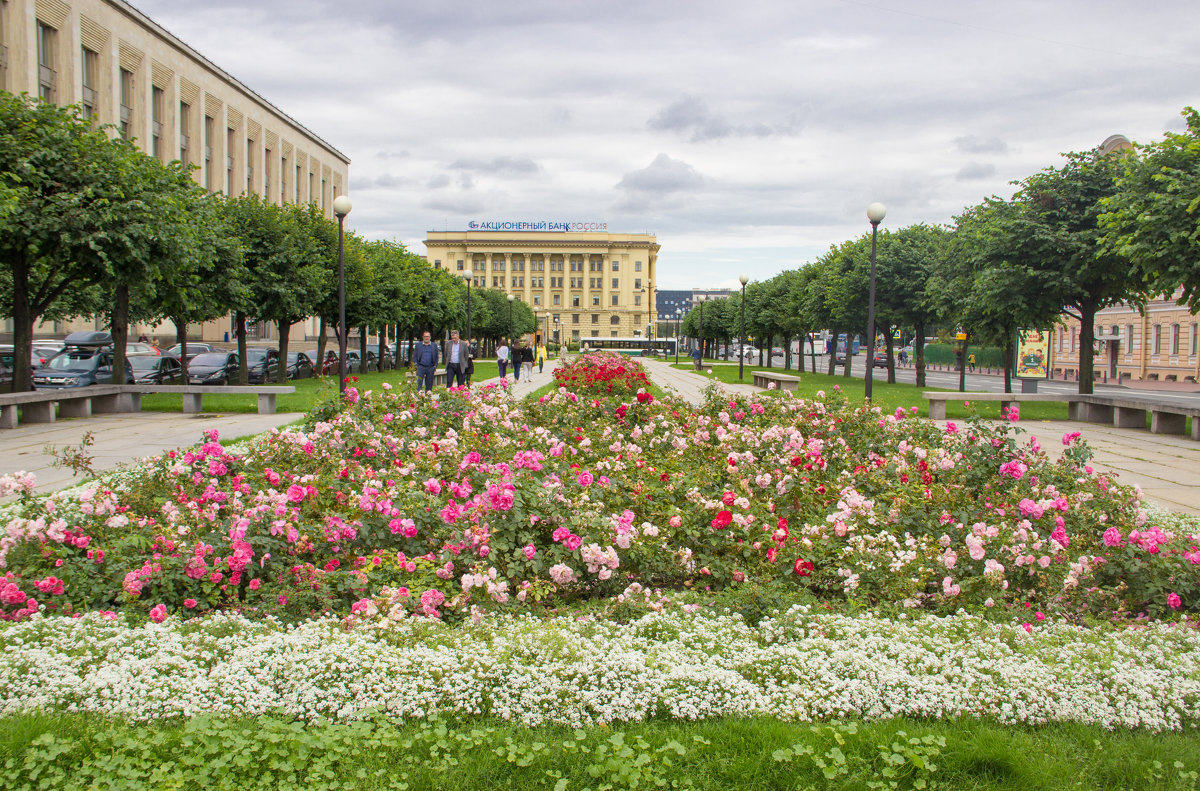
510,324
875,213
468,275
742,333
700,298
341,207
678,327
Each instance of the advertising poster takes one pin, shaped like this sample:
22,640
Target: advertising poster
1033,354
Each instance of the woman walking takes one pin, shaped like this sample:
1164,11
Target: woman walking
540,356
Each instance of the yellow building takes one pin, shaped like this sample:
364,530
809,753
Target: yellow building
1161,343
591,282
127,71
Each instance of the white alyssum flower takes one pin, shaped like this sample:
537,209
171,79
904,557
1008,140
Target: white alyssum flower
800,665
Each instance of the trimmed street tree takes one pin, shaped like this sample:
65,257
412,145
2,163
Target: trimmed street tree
1154,218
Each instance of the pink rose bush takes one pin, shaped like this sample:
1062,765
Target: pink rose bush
587,491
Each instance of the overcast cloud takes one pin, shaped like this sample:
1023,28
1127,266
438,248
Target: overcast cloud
748,136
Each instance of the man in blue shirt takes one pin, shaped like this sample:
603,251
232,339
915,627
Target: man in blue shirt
426,358
458,355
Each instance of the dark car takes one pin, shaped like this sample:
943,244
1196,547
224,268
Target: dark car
262,365
193,348
40,353
6,371
881,358
213,368
300,366
155,369
79,366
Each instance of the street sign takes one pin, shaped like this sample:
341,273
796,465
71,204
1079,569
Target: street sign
962,336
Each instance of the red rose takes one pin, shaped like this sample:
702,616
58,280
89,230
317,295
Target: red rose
722,521
803,567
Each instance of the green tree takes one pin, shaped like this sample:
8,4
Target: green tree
74,204
1153,219
1051,228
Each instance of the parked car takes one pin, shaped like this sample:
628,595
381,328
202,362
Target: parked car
213,368
41,352
79,366
262,365
6,371
300,366
881,358
156,369
138,347
193,348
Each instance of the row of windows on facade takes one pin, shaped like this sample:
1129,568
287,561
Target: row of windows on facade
1130,338
90,80
555,299
538,264
518,281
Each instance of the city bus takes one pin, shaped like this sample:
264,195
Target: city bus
634,347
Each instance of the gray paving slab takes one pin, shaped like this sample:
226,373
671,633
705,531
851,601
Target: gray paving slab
118,439
1166,467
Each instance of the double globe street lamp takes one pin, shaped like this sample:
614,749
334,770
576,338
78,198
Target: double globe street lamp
341,207
875,213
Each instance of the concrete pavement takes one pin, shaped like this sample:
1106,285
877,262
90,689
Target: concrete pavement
119,439
1167,467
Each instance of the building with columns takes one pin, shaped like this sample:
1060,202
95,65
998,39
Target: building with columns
592,282
127,71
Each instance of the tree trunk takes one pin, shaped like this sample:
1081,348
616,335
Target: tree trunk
833,353
322,343
962,364
181,339
120,333
919,353
362,349
243,373
891,360
1087,336
382,347
1008,360
285,332
23,318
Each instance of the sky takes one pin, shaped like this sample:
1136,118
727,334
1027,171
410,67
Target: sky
748,136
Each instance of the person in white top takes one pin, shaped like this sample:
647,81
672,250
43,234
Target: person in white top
502,358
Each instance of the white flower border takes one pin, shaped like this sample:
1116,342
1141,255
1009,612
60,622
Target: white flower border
799,666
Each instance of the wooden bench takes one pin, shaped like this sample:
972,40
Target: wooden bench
193,395
1119,411
37,406
765,379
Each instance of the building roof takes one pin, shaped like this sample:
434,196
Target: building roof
125,8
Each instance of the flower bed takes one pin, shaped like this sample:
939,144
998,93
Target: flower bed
443,506
798,666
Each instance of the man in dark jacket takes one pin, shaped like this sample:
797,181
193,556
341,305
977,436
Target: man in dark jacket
426,357
458,359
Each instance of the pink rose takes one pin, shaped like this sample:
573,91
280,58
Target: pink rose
189,603
530,551
1174,601
158,613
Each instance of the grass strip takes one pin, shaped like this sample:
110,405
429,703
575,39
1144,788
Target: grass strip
81,751
887,396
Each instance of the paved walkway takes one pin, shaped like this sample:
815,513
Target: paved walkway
118,439
1166,467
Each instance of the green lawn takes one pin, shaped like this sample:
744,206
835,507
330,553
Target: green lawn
85,751
887,396
309,392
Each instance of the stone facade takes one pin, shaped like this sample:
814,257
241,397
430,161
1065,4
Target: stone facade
129,72
1159,344
592,283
